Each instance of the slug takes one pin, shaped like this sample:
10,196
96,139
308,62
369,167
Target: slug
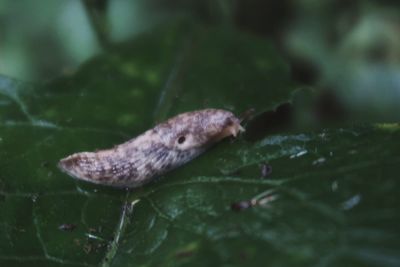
165,147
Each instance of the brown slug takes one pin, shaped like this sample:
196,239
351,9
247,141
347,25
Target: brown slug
165,147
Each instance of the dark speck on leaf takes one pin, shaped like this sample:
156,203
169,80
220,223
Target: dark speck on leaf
266,170
45,164
87,248
184,254
67,227
242,205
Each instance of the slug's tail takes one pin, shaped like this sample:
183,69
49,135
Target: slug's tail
105,167
88,166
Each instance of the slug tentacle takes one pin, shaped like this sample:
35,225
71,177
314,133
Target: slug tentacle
168,145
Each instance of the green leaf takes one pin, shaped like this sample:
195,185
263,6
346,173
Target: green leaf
330,200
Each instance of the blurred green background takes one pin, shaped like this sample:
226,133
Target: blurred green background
322,79
348,48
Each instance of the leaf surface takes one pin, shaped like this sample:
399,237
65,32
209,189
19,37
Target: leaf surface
330,200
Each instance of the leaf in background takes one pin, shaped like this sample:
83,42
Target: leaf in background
331,186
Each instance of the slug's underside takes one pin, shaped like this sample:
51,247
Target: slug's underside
158,150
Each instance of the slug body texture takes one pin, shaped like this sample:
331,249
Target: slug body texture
168,145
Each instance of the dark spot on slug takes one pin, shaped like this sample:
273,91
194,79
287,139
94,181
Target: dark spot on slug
167,166
102,171
160,156
148,152
181,139
110,161
102,178
149,167
133,170
228,122
121,176
181,155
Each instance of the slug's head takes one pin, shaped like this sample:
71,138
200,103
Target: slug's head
198,129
